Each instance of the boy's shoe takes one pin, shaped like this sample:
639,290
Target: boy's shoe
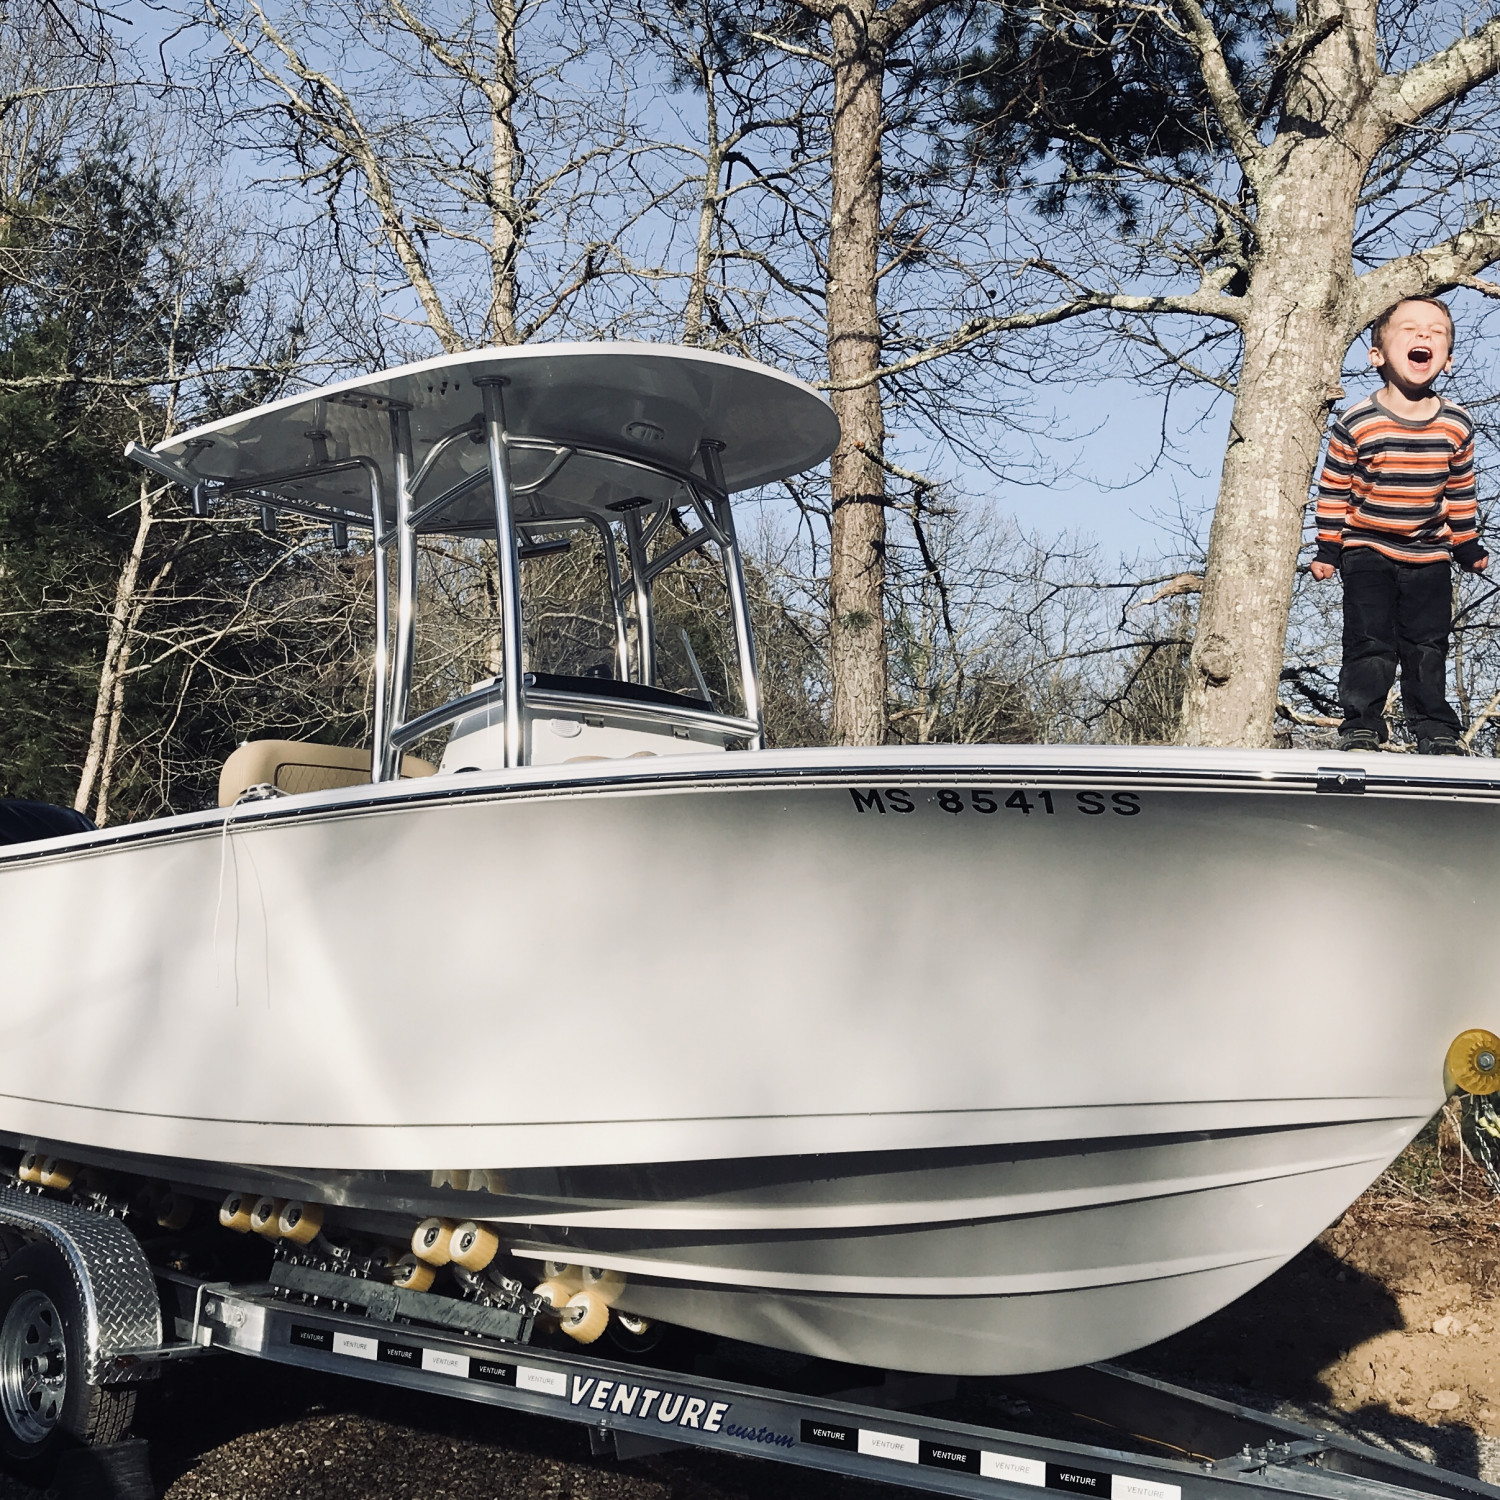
1441,744
1359,739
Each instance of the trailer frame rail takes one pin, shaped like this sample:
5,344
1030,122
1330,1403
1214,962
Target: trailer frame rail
632,1409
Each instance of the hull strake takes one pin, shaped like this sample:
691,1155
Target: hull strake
1135,1239
885,958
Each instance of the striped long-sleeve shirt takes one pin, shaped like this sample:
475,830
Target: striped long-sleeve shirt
1403,487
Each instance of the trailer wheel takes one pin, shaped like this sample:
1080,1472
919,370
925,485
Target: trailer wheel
45,1401
635,1335
413,1275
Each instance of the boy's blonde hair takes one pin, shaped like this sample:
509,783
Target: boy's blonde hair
1379,326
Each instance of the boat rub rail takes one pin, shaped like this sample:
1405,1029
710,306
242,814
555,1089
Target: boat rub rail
610,779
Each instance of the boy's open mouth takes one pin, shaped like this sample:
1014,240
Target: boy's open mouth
1421,358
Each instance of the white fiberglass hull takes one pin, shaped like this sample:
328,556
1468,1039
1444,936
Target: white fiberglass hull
964,1059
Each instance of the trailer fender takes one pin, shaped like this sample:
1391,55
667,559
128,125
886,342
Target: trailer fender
122,1326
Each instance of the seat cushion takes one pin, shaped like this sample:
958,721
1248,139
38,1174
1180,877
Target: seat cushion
294,766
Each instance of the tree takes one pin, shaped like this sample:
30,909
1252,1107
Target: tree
446,161
861,36
124,304
884,262
728,204
90,309
1283,177
780,184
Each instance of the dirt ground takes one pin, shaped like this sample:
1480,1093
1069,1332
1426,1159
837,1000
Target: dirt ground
1386,1326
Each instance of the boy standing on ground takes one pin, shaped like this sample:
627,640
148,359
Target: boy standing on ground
1396,507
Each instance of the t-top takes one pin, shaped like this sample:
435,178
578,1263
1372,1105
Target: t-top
1405,488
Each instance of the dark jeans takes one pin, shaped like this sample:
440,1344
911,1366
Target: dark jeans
1396,612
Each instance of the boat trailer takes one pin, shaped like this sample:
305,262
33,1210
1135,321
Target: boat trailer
1173,1443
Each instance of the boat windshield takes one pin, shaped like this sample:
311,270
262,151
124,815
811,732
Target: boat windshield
623,580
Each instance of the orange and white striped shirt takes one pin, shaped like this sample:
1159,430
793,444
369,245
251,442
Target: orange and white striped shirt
1405,488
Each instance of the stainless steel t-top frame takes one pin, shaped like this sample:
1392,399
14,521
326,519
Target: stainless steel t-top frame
395,730
510,566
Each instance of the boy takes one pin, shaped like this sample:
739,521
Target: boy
1396,506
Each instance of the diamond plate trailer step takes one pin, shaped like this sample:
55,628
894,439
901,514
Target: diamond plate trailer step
634,1409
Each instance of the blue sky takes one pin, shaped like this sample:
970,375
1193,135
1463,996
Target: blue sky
1125,490
1099,440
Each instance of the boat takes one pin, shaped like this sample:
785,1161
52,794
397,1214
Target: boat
969,1059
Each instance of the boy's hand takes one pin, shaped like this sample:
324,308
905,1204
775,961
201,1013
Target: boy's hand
1479,566
1323,571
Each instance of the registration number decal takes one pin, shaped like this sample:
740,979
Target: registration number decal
988,801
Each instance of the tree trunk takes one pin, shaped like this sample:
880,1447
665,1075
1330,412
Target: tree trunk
116,654
708,207
1294,345
857,561
1296,327
112,739
494,659
505,173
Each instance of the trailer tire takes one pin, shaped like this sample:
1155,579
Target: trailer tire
635,1335
46,1404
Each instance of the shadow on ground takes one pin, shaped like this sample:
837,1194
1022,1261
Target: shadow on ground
1281,1335
1270,1350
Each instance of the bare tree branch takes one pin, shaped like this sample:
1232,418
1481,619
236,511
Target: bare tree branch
1405,98
341,129
1213,66
1428,271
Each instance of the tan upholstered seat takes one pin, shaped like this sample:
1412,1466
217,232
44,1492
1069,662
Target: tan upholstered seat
298,766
